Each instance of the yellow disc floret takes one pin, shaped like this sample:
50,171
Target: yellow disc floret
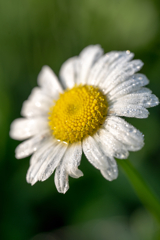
77,113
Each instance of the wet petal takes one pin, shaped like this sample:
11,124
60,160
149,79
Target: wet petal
125,133
52,161
61,179
68,72
87,59
28,147
106,64
120,74
145,100
110,145
38,158
133,84
49,82
128,110
72,159
100,160
68,166
38,104
23,128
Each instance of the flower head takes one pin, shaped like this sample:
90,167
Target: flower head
83,114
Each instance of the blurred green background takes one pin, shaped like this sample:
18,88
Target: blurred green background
34,33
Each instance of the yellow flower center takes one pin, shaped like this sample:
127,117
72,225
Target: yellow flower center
77,113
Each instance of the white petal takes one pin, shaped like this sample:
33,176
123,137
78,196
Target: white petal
61,179
110,145
144,90
50,142
110,173
49,82
72,159
120,74
22,128
37,94
68,165
68,72
122,58
94,155
99,159
128,110
87,58
133,84
151,101
145,100
52,161
100,67
125,133
38,158
38,104
27,147
35,109
106,64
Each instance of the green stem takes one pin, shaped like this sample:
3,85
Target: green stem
144,193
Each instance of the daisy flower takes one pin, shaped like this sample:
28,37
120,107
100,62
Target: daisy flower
82,114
